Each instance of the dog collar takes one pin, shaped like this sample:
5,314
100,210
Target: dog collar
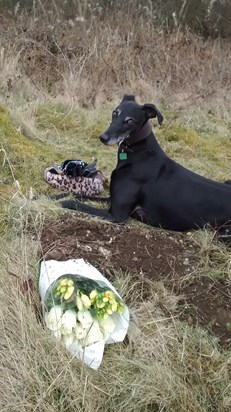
142,134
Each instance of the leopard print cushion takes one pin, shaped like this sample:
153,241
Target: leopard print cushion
88,186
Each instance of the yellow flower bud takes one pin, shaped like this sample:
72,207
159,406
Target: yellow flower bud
70,282
105,299
69,292
100,305
109,294
93,294
63,282
79,303
109,311
86,301
114,306
105,316
63,289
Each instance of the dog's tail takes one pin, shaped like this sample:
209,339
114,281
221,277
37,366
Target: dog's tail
80,207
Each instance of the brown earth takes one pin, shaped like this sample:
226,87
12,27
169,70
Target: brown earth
146,252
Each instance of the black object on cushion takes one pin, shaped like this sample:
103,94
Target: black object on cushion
77,168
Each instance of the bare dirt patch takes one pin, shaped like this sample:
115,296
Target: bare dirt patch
155,254
208,303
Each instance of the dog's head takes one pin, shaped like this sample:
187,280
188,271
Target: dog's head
128,118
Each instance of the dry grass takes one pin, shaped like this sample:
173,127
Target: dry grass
48,72
214,257
165,365
97,59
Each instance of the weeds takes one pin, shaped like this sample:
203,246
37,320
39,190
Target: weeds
165,365
58,83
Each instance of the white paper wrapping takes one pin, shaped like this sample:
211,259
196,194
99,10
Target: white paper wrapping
50,271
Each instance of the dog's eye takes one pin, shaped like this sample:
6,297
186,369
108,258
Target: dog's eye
114,114
129,121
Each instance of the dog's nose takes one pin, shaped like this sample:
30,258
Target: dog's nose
104,138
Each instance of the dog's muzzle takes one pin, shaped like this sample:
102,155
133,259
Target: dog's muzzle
107,140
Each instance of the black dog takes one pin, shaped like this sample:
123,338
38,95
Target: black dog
147,185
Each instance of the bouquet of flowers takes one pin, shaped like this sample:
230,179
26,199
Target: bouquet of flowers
82,308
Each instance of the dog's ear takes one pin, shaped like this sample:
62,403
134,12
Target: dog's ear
128,98
150,111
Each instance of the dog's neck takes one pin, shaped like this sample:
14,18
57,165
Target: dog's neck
129,145
139,134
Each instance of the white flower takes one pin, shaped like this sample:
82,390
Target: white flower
85,318
68,339
80,332
94,334
68,321
53,318
107,326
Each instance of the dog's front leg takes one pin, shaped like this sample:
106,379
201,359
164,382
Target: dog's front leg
119,213
122,205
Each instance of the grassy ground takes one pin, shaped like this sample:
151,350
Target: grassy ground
167,365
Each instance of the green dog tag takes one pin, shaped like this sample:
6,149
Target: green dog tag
123,156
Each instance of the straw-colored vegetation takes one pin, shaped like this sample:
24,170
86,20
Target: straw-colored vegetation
54,105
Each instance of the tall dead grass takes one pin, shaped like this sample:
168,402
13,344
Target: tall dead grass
94,58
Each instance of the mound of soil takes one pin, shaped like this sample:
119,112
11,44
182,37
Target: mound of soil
148,252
